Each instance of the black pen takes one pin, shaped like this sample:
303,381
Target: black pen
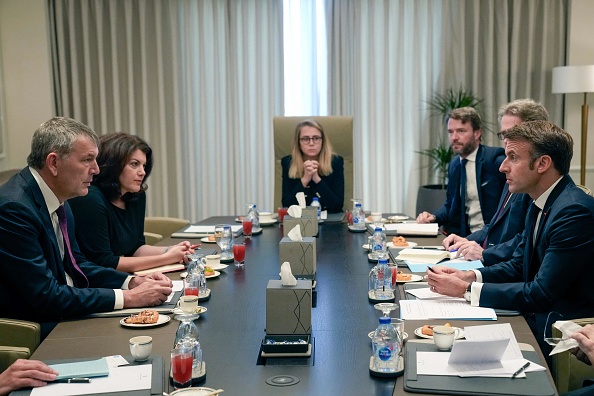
430,269
429,247
73,381
520,370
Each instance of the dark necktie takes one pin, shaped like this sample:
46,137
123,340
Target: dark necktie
463,219
61,212
499,213
533,212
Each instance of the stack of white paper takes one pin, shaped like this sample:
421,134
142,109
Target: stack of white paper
444,309
431,229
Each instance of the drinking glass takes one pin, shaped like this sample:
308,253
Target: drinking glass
386,308
281,214
224,238
191,285
181,366
239,254
247,228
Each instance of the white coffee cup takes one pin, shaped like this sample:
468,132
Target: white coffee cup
265,216
213,260
444,336
376,217
141,347
188,303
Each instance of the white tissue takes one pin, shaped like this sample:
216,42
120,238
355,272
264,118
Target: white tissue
287,278
295,211
295,234
567,328
300,199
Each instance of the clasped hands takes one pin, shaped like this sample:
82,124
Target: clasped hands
310,172
179,253
449,281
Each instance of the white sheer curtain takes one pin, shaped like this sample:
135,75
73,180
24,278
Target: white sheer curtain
386,58
199,80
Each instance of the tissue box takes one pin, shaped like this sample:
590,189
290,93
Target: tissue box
301,255
309,227
288,308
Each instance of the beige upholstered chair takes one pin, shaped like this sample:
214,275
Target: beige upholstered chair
150,238
568,372
585,189
7,174
340,132
18,340
164,226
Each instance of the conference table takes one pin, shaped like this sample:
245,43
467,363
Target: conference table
232,329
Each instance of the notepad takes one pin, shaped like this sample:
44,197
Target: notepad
85,369
162,269
425,256
443,309
431,229
197,231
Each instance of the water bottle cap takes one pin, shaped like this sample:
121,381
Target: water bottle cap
383,261
357,205
226,227
378,229
385,320
315,198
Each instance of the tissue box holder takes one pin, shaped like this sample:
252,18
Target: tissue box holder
301,255
286,344
309,227
288,308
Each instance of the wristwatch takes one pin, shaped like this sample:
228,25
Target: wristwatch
467,292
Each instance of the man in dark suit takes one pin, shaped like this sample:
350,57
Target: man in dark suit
468,203
496,241
45,277
551,273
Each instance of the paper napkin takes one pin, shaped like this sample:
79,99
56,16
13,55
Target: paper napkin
301,199
567,327
295,234
295,211
287,277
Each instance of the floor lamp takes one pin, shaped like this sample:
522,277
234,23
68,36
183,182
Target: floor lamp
576,79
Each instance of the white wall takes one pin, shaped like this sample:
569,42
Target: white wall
580,52
26,75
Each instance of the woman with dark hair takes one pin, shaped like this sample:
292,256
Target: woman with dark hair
110,218
312,168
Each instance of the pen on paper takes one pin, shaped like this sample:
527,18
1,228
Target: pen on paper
453,250
520,370
74,381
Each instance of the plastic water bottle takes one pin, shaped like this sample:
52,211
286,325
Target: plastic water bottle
378,244
386,347
255,216
316,204
383,281
358,217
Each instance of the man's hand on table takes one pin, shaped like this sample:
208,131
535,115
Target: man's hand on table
146,291
449,281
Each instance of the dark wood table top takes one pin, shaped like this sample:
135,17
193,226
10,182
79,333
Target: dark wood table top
233,327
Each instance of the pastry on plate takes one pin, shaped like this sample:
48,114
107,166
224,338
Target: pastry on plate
143,317
208,271
402,277
399,241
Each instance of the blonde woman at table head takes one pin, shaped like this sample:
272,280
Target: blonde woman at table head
313,168
110,219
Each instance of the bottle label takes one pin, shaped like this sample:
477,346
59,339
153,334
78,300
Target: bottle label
384,353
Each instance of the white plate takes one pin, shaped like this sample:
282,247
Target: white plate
206,240
162,320
199,391
414,278
218,267
216,273
418,333
267,222
353,229
398,218
391,245
199,310
404,335
368,221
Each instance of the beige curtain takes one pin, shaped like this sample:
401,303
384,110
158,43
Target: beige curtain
199,80
388,57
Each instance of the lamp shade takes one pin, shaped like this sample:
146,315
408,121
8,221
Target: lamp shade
573,79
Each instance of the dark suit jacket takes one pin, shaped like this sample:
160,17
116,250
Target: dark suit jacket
33,284
330,189
503,233
489,183
556,276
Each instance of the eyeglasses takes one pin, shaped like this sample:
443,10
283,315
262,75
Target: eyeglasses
306,140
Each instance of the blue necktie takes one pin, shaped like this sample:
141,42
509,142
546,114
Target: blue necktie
463,219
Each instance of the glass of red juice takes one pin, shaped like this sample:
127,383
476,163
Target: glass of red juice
394,274
191,286
239,253
247,227
181,367
281,214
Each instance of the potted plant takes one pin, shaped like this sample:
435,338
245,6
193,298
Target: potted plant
431,197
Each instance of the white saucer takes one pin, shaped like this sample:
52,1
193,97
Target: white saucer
368,221
218,267
199,391
404,335
414,278
419,333
398,218
353,229
216,273
267,222
162,320
206,240
199,310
